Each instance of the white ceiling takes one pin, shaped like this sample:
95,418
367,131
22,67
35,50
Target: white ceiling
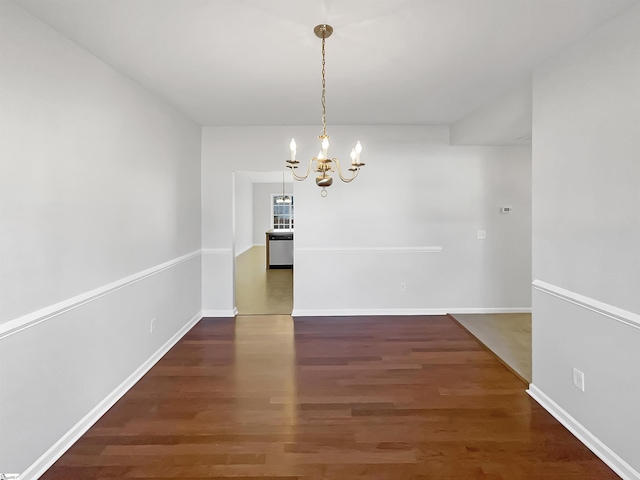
257,62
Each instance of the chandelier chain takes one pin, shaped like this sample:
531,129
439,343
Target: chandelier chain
324,106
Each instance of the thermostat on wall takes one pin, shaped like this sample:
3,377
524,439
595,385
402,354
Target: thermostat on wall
505,209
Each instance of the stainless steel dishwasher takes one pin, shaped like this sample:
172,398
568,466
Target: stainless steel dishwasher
281,250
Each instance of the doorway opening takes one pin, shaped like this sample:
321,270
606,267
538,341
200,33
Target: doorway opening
263,247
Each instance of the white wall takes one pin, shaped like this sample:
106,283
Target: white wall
504,121
262,207
100,221
243,205
416,192
586,237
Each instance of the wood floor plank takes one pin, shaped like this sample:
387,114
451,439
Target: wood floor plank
265,397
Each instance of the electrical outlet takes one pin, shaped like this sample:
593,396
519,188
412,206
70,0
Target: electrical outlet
153,325
482,234
403,287
578,379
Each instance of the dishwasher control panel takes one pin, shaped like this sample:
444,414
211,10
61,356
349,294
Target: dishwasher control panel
280,236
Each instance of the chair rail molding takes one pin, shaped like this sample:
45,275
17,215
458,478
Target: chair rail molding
26,321
615,313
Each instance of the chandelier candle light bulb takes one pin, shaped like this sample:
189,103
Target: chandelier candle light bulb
324,164
292,146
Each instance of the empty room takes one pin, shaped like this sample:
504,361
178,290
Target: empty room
455,294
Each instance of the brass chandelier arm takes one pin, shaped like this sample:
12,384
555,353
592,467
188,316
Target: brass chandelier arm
333,166
293,167
354,171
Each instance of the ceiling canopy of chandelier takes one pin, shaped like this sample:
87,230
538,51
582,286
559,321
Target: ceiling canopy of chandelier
322,164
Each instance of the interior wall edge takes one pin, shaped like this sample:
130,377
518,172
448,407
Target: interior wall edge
593,443
26,321
217,282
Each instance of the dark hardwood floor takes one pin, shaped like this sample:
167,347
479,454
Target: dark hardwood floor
333,398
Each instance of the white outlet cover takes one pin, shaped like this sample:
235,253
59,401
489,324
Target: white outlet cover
578,379
482,234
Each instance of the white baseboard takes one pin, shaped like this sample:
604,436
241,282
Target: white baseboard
355,312
245,249
43,463
489,310
220,313
607,455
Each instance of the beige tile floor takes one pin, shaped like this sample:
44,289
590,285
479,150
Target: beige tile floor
508,335
260,291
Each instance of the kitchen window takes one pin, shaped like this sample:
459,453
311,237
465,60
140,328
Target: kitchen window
281,212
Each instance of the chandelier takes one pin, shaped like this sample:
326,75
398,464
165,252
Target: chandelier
283,198
322,164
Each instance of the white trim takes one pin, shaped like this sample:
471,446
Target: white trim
220,313
216,251
434,249
68,439
607,455
615,313
346,312
489,310
246,249
47,313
